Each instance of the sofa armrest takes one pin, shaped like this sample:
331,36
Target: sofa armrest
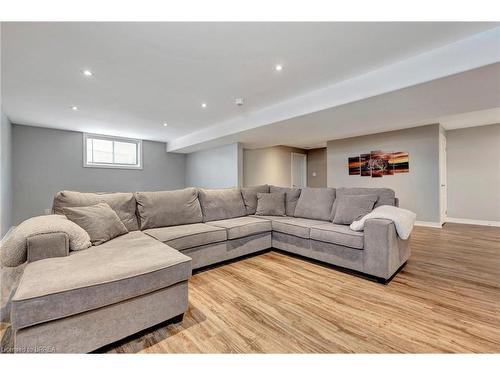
49,245
384,250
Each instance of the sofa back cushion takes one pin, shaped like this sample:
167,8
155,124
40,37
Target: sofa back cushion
249,195
123,204
166,208
385,196
220,204
291,197
270,204
315,203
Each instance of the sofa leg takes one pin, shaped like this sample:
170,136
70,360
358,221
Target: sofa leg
177,319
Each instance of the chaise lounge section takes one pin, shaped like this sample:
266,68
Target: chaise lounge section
79,301
92,297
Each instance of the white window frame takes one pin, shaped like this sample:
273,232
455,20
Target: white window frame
138,143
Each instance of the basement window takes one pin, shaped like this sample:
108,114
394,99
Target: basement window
101,151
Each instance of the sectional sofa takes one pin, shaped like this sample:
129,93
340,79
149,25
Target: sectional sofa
80,301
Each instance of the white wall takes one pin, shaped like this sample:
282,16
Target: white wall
46,161
218,167
5,175
473,173
270,165
417,190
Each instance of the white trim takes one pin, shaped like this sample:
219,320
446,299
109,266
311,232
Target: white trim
488,223
466,54
443,188
138,143
7,234
430,224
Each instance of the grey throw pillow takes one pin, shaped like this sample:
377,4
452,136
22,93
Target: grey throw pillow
385,196
353,207
291,197
272,204
100,221
123,204
249,195
315,203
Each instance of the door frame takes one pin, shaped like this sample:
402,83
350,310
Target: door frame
304,160
443,188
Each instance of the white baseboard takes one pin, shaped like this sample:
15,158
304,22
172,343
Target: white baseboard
473,221
431,224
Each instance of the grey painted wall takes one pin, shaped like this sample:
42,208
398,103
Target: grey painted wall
5,175
316,167
417,190
473,173
215,168
47,160
270,165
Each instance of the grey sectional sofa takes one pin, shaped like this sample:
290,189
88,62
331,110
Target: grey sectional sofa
80,301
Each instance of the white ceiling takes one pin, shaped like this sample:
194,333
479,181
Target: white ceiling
462,100
474,118
146,74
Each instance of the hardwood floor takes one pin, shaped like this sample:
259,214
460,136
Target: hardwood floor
446,299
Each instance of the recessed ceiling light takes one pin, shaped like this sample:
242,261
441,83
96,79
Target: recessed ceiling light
87,73
74,108
278,67
165,124
203,105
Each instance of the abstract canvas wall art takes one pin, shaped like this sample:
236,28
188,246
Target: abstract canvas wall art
401,162
354,166
379,163
364,161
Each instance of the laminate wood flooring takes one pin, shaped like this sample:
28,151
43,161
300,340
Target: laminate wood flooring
445,300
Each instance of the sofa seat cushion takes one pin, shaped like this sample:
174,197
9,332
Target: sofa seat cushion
182,237
295,226
338,234
126,267
271,217
243,226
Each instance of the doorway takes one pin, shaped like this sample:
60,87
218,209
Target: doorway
299,170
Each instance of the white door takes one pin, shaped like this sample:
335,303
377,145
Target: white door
442,179
299,170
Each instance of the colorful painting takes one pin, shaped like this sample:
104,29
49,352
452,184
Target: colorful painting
364,161
379,163
354,166
401,162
